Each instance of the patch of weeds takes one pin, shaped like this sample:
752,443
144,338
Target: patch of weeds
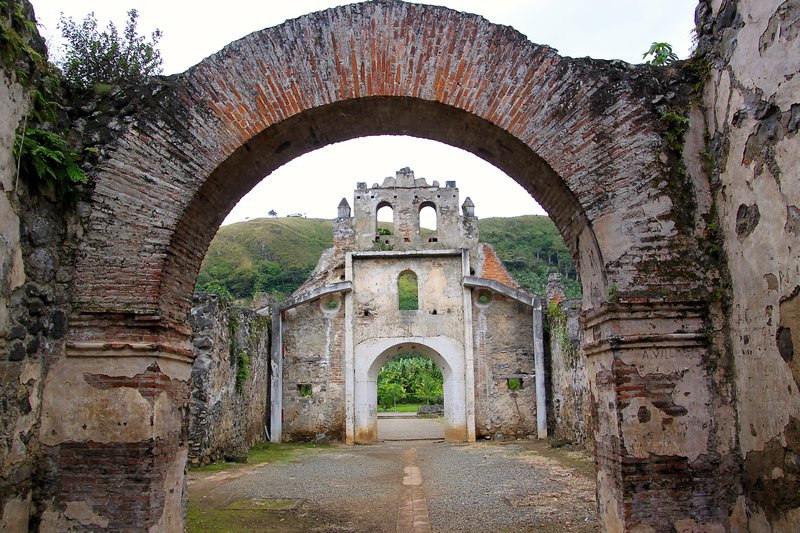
265,452
675,126
282,452
242,369
613,293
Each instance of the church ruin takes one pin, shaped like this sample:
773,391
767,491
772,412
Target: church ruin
460,308
675,189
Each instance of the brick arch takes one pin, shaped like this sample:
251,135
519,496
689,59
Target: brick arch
580,135
574,133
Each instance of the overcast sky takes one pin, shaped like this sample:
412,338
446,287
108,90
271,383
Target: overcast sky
607,29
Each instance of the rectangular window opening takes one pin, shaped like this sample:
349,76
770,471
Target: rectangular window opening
304,390
514,384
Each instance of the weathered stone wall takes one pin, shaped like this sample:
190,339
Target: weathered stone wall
313,340
19,402
569,409
752,102
503,345
38,233
226,418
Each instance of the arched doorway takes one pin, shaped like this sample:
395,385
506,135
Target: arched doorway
448,356
410,398
582,137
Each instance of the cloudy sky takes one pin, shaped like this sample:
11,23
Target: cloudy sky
607,29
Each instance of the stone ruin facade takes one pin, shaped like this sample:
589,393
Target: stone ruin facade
477,324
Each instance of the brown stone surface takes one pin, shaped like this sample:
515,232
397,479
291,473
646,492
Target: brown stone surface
227,413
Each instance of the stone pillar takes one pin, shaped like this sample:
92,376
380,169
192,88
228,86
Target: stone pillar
660,448
538,356
276,381
469,354
114,431
349,357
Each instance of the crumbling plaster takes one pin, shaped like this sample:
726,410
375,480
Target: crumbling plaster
765,264
313,335
503,349
13,106
753,109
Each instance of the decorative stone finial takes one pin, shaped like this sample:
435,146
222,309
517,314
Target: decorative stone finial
344,209
468,208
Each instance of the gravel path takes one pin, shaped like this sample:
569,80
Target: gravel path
504,487
520,486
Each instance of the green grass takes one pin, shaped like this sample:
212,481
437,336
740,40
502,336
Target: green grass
261,453
402,408
208,513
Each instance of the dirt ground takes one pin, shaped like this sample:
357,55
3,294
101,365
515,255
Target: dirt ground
486,486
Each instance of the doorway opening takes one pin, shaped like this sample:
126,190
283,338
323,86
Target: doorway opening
410,398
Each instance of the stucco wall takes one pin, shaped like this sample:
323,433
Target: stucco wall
226,421
503,345
313,340
752,112
376,307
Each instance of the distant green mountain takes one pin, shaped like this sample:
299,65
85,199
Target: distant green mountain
276,255
531,247
273,255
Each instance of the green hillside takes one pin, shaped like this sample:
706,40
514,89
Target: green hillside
531,247
276,255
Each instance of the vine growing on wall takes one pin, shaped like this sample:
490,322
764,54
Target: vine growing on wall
557,320
40,149
242,369
240,358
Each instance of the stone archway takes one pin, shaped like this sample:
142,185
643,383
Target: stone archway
448,355
581,136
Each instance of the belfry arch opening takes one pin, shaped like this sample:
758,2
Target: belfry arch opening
428,221
384,221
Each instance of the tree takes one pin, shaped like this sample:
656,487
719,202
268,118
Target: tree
96,58
272,213
429,389
662,54
389,394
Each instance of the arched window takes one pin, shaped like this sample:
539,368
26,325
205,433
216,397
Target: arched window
384,220
408,291
427,222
